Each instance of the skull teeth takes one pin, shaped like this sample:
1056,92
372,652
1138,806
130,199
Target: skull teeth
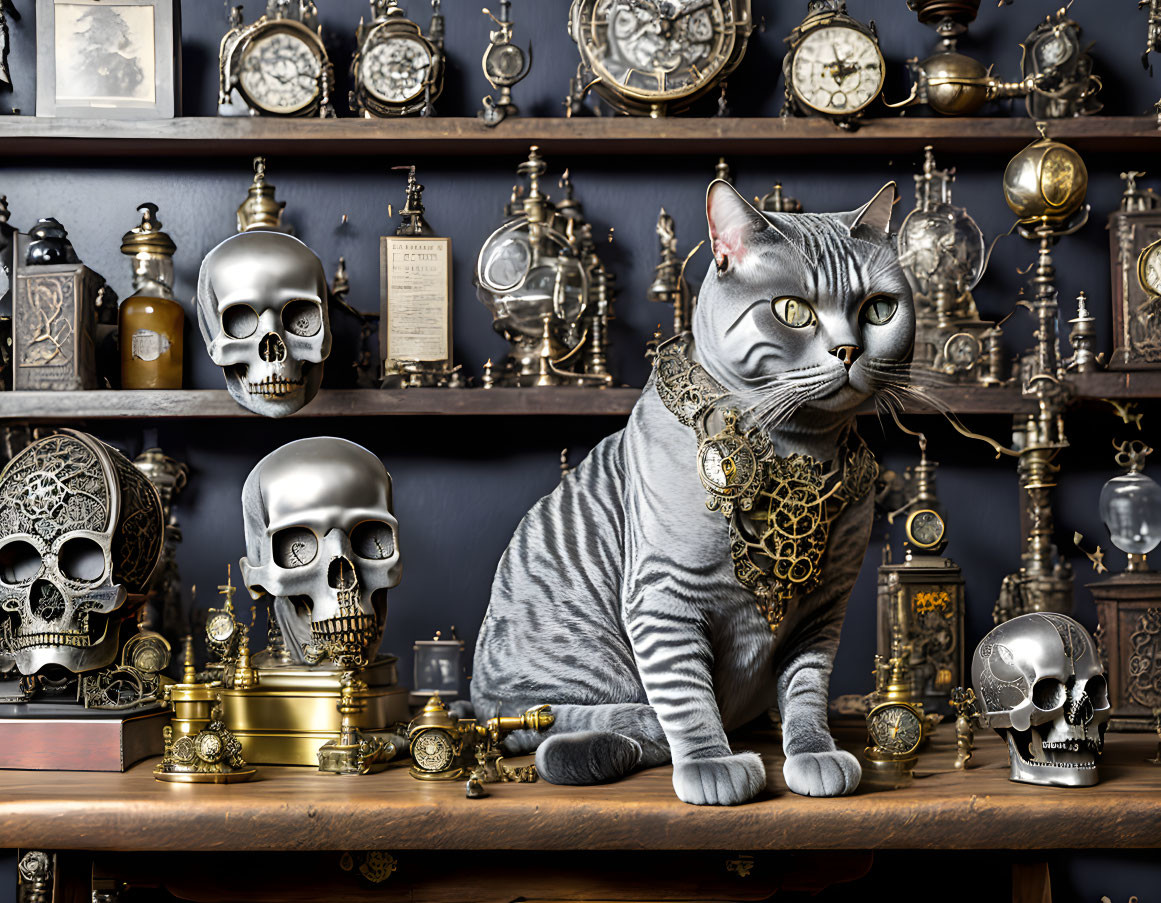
273,387
351,633
29,640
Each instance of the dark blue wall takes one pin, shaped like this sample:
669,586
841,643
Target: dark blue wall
462,484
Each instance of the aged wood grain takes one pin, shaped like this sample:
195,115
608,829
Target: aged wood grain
298,809
23,136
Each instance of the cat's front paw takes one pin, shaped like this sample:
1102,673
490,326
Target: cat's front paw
720,781
834,773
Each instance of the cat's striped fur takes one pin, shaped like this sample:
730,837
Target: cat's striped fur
616,600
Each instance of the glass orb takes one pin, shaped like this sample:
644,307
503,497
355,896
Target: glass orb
1131,509
942,241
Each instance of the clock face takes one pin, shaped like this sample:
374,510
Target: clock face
653,51
433,751
925,528
837,70
220,627
1054,50
396,70
280,73
1149,269
960,352
895,728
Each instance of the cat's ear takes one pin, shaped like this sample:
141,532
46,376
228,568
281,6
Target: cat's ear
876,213
732,223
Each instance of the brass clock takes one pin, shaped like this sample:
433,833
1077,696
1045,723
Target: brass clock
656,57
276,66
397,70
927,530
1149,269
895,728
834,67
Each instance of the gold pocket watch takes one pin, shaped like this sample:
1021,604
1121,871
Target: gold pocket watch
656,58
397,70
895,728
834,67
276,66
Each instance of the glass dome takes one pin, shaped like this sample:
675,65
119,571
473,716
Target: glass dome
1130,506
941,241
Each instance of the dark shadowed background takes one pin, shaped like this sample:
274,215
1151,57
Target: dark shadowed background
462,484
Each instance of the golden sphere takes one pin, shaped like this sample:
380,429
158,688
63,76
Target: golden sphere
957,85
1045,182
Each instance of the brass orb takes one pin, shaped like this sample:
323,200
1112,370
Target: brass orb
1045,182
957,85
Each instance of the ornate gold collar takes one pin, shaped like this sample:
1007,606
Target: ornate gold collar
779,509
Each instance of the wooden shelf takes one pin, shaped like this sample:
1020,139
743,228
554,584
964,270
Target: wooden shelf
301,810
27,136
217,403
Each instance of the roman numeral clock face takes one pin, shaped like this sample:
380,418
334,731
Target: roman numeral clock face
280,73
837,70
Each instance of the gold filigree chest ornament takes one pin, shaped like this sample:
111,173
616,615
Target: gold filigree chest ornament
779,509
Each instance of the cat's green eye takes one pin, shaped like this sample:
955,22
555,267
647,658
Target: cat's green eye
794,312
879,309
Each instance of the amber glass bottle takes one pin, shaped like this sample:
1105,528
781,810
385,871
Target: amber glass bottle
150,321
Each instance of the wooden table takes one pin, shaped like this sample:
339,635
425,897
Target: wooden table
533,834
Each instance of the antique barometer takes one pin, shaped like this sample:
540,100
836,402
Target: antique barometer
655,57
834,67
276,66
397,70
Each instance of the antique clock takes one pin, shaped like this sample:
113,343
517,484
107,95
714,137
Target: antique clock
1135,254
1060,68
834,67
655,57
276,66
397,70
896,723
922,597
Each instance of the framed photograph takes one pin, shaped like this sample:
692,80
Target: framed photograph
108,59
415,323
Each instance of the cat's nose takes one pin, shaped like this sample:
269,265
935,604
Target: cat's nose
848,354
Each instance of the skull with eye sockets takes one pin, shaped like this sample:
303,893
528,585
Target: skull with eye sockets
80,535
322,540
1040,684
262,309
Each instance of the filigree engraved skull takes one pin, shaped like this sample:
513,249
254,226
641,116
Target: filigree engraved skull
262,309
1041,686
321,539
80,533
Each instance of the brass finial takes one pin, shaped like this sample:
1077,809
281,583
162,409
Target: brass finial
413,222
228,589
147,239
189,674
245,677
260,210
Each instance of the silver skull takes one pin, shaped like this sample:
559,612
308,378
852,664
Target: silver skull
262,309
80,535
322,540
1041,686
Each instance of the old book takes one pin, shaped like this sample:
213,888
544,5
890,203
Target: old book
43,738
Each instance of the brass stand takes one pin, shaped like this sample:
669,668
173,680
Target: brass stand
354,752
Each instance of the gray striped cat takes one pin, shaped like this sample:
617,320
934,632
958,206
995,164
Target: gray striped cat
617,601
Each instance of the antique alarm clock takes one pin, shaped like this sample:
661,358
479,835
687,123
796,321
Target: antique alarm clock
921,599
276,66
1060,68
396,70
834,67
647,58
1135,237
896,723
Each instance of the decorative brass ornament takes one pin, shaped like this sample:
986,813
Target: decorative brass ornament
443,746
655,59
779,509
276,66
1058,68
1046,182
261,211
669,283
353,752
1135,258
198,747
963,701
396,69
505,65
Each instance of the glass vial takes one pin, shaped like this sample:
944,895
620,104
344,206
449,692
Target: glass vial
151,322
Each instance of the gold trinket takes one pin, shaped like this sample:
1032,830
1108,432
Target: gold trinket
353,752
964,703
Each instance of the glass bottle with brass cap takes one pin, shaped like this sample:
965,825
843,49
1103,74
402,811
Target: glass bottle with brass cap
151,321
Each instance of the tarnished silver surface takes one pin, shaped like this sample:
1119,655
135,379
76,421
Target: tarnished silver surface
262,309
321,538
1040,684
80,530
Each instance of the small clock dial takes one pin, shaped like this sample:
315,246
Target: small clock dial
280,73
396,70
895,729
1149,270
961,351
433,751
220,628
837,70
654,50
925,528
